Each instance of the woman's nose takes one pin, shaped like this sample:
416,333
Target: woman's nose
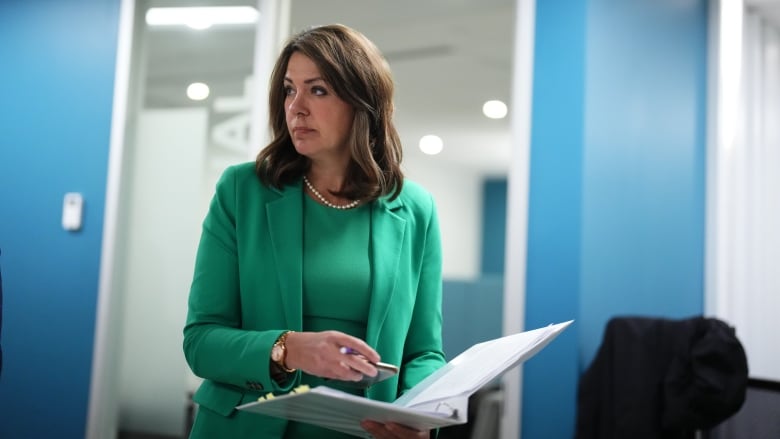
298,106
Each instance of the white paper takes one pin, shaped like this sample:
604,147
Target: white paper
337,410
437,401
478,365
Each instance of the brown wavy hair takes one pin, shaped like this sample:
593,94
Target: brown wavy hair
358,73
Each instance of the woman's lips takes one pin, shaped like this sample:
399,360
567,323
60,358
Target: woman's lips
302,131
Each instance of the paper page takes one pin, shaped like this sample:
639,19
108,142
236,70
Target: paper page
343,412
478,365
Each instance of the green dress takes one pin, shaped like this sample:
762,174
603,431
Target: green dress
248,287
336,286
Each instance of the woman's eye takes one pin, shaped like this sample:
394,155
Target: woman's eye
319,91
288,91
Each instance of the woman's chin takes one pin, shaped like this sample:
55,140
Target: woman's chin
303,149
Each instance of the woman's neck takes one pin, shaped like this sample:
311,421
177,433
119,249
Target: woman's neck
327,178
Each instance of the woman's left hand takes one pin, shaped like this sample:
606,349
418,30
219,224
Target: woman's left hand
392,430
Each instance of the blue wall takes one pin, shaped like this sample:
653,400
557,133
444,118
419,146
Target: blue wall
616,220
616,207
57,89
554,215
644,181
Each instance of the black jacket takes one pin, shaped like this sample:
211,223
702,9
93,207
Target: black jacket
661,378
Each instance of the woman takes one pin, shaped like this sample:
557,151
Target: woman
317,246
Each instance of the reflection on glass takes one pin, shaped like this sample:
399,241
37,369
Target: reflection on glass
188,121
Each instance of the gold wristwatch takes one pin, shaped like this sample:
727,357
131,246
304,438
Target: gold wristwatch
279,352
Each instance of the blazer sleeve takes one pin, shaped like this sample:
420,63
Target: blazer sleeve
216,346
423,352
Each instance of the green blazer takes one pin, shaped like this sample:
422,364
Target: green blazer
247,289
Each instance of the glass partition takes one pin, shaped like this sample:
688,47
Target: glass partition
190,102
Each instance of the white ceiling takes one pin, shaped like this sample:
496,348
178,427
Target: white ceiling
448,57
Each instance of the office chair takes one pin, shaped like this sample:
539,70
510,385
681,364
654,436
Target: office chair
759,417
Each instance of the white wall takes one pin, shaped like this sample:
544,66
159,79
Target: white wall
161,235
458,195
743,242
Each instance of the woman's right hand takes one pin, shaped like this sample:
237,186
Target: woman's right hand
320,354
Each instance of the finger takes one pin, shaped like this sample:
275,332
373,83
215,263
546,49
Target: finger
375,429
360,364
404,431
355,345
347,373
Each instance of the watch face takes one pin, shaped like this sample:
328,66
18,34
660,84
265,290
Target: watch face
276,353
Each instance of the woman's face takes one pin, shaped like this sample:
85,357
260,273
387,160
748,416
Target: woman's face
319,122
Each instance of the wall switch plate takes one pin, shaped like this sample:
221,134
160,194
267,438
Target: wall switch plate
72,211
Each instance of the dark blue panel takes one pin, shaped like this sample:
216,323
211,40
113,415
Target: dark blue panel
472,313
493,226
57,88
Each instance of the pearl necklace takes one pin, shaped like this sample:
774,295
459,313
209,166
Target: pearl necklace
349,205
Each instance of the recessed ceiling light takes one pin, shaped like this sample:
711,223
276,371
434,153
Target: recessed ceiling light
198,91
494,109
201,17
431,144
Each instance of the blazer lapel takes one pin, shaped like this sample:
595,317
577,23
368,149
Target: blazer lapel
387,237
285,223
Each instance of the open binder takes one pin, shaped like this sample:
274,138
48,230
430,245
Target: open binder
437,401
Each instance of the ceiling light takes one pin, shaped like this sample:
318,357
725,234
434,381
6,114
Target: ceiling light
201,17
200,23
431,144
197,91
494,109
